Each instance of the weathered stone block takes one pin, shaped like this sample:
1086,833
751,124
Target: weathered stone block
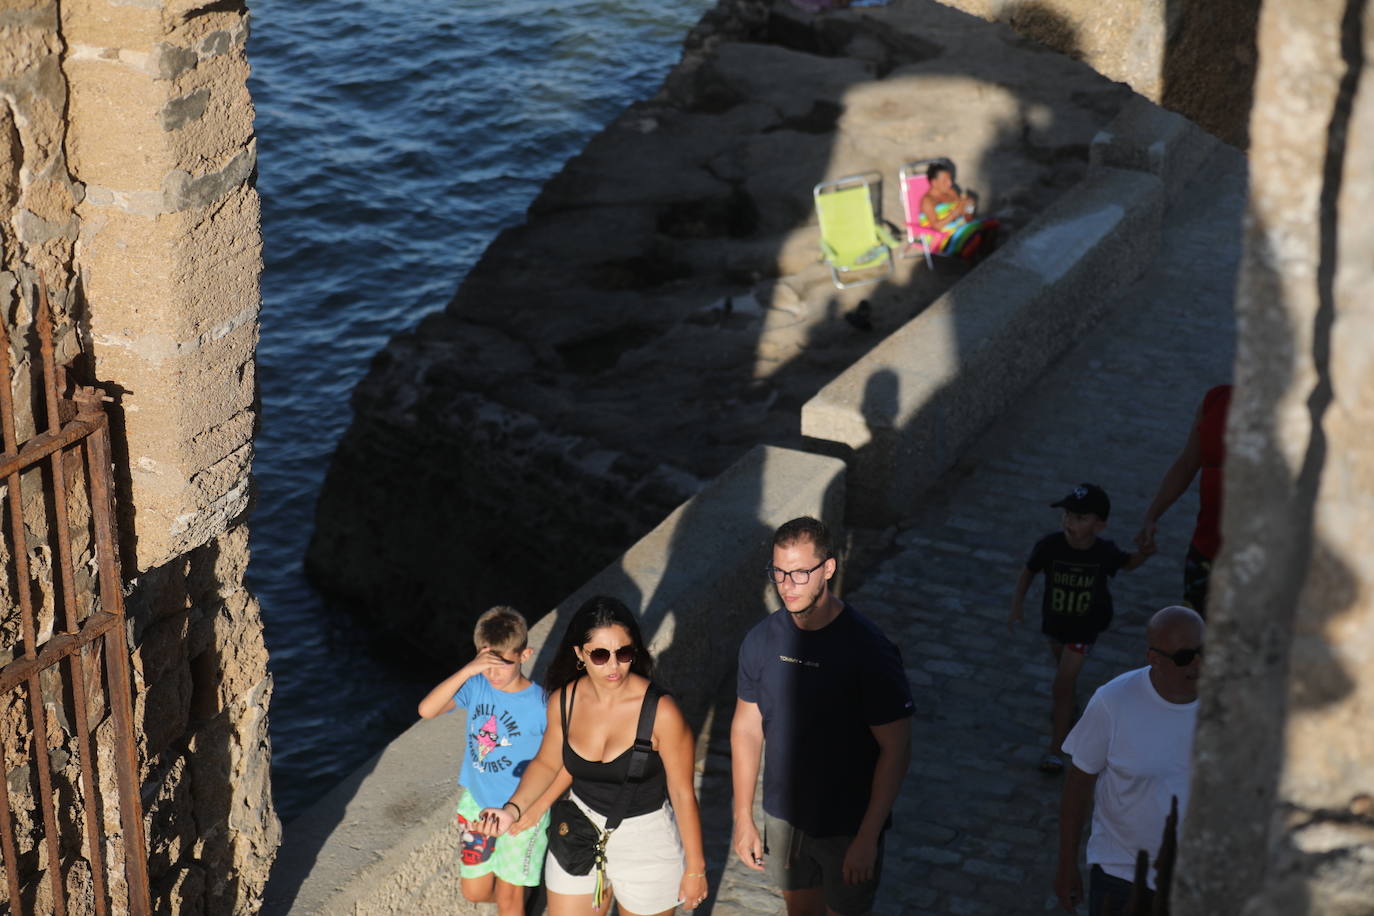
254,823
209,113
218,568
183,888
238,650
104,24
164,703
169,818
180,514
161,593
174,296
196,396
116,138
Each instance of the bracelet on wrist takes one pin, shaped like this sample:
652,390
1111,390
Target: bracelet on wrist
518,812
695,874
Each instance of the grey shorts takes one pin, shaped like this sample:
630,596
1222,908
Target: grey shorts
797,861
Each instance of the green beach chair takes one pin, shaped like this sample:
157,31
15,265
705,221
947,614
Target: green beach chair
854,242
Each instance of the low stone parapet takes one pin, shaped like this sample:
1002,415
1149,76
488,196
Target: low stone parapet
1147,138
383,841
904,413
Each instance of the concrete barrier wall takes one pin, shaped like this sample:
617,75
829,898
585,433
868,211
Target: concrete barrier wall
383,841
903,414
1147,138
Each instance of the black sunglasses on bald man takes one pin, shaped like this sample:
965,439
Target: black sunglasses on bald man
1183,657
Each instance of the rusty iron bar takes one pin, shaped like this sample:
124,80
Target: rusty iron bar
98,464
37,714
56,649
43,445
56,459
89,427
11,856
75,661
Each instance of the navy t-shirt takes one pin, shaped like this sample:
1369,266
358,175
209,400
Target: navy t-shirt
1077,604
818,692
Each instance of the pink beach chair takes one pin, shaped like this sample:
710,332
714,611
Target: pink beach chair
914,184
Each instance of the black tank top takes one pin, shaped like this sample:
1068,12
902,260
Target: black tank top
598,784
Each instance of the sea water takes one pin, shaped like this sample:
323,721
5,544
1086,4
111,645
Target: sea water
395,139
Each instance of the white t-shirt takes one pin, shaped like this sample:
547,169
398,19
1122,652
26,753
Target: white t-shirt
1140,746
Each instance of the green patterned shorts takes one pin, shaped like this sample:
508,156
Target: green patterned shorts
517,860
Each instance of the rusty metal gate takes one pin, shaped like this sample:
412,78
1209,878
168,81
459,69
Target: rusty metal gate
71,822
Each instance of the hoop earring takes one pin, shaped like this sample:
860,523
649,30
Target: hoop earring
581,664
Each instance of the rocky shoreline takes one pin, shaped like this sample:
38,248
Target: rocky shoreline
663,308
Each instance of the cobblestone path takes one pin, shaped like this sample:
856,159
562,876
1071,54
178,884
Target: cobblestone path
975,828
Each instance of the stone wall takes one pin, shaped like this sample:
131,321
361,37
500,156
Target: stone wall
126,159
1195,57
1282,818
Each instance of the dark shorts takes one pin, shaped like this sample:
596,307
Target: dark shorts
1068,635
1197,573
1108,895
1082,648
797,861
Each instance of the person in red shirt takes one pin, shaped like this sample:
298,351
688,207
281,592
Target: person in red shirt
1205,451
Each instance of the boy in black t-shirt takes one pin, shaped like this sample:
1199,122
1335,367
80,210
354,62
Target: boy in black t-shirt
1077,604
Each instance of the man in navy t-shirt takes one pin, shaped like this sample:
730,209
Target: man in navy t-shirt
824,699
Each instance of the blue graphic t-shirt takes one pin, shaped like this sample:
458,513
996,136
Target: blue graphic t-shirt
504,733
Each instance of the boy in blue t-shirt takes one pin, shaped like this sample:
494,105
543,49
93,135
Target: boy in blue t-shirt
1077,603
506,719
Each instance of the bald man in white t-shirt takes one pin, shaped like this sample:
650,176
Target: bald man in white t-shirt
1131,753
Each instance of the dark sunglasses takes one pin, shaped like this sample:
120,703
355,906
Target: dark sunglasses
624,655
1183,657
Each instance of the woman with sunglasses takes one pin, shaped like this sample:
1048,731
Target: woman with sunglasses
597,683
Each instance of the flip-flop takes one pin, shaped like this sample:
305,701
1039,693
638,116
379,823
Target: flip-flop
1051,763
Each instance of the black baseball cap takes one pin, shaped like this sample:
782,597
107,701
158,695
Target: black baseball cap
1085,498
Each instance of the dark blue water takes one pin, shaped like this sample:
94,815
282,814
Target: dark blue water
395,139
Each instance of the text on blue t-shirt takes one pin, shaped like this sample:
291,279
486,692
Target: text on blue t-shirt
504,731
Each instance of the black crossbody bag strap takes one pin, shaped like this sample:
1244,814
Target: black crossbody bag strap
563,705
639,756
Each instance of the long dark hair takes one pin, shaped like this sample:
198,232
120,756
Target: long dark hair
596,612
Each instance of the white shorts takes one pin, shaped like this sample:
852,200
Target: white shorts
644,862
